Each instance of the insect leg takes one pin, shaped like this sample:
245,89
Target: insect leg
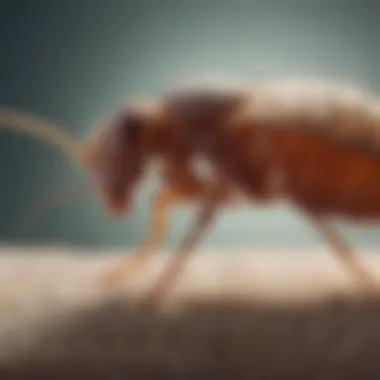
209,207
343,252
157,228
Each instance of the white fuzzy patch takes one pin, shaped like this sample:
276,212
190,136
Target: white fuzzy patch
220,81
203,169
313,99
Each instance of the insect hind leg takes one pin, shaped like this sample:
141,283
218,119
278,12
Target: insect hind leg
344,253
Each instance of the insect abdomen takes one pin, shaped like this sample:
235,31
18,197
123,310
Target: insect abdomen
327,177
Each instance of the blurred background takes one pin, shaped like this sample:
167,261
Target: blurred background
75,61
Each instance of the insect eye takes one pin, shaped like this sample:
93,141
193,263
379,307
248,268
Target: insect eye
129,126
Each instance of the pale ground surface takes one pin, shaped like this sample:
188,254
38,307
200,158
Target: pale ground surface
69,275
42,291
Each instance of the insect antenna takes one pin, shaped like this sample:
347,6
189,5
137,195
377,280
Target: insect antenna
26,123
59,195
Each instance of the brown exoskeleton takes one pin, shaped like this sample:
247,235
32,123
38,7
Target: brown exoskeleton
314,145
311,144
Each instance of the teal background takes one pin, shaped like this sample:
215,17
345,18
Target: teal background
75,61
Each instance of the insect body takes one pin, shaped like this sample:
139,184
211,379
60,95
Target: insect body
314,145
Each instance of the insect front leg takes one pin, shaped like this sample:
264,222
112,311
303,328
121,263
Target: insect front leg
162,202
343,252
210,203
